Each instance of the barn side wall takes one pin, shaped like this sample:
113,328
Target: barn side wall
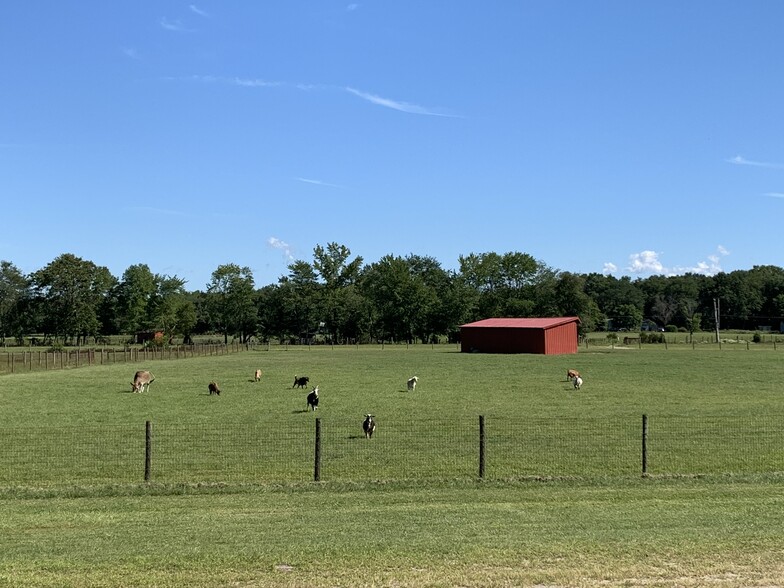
561,339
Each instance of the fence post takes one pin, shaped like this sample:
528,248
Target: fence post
317,464
644,444
482,446
147,450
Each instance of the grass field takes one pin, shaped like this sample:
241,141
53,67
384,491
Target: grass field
359,528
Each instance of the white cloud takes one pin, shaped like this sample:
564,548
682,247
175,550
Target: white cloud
647,262
740,160
397,105
775,194
131,53
253,83
196,10
175,26
282,246
352,7
318,183
609,268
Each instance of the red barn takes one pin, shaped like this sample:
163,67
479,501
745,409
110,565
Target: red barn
550,336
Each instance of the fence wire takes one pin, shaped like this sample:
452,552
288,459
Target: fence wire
413,448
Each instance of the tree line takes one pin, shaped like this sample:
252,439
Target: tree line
337,298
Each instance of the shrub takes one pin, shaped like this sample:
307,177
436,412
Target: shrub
671,329
757,338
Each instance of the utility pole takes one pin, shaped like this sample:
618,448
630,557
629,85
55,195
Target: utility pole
716,315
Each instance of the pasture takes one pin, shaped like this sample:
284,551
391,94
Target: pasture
403,509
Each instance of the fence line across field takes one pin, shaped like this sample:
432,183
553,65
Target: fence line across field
337,450
73,358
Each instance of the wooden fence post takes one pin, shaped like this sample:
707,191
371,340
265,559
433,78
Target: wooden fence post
317,459
147,450
482,446
644,444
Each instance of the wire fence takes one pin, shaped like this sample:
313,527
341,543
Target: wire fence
337,450
39,360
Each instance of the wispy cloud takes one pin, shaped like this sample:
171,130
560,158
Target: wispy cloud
397,105
282,246
775,194
318,183
242,82
131,53
740,160
352,7
609,268
175,26
156,211
253,83
196,10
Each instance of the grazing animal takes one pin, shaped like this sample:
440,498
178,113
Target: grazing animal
572,374
578,382
300,382
313,399
412,382
257,375
369,426
141,381
214,388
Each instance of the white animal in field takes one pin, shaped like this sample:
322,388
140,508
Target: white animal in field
141,381
313,399
369,426
257,375
412,382
578,382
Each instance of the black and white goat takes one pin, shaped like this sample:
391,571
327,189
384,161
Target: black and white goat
412,382
313,399
369,426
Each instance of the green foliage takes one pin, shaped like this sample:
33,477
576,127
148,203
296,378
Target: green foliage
649,337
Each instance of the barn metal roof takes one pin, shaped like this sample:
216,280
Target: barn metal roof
523,323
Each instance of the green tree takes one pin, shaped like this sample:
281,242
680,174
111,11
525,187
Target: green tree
230,301
14,294
72,290
170,308
133,296
338,294
399,297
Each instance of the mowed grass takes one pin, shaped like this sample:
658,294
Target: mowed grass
371,523
709,411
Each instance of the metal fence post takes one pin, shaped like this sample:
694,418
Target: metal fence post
147,450
317,459
482,446
644,444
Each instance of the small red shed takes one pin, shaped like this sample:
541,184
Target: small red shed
550,336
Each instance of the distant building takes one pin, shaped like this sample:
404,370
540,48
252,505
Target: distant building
549,336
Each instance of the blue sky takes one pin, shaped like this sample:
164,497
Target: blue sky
609,136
